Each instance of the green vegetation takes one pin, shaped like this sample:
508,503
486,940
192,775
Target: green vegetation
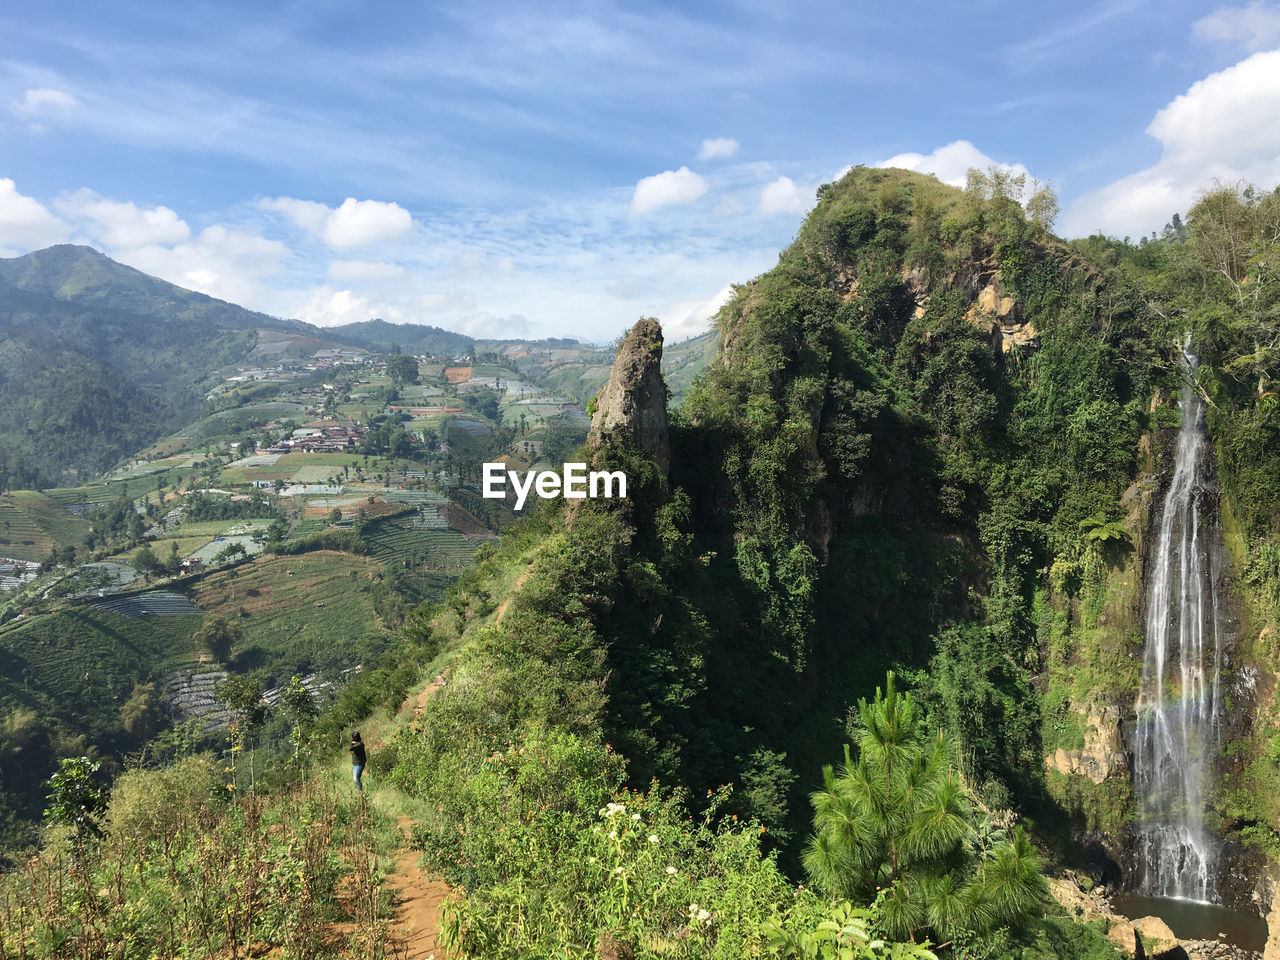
916,452
32,525
297,614
171,874
896,820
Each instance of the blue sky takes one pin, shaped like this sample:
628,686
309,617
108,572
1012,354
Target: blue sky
560,169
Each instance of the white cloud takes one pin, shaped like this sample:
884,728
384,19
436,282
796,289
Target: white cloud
1251,28
308,214
951,163
728,207
346,270
488,325
688,318
222,262
671,187
1220,129
785,196
717,147
359,223
326,307
122,226
356,223
44,101
25,224
436,302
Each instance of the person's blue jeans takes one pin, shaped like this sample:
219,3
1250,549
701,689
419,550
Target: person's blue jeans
356,770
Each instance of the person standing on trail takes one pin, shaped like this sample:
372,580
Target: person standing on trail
357,759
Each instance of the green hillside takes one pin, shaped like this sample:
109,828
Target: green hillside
32,524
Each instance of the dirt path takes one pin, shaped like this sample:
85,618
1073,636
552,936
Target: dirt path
419,898
515,588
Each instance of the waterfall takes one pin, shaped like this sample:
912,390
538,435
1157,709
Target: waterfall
1177,706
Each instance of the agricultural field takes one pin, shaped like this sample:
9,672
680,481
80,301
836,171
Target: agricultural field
104,491
243,476
293,461
310,612
230,422
399,540
362,411
146,468
32,523
420,392
79,664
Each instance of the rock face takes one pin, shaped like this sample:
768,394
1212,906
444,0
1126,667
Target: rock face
1273,929
634,401
1001,316
1102,754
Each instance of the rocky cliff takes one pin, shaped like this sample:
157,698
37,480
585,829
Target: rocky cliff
634,401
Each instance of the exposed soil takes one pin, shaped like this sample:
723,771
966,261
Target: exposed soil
419,898
502,607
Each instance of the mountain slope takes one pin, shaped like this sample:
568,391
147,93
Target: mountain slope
97,360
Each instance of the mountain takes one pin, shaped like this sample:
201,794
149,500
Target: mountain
88,280
416,338
908,507
98,359
928,443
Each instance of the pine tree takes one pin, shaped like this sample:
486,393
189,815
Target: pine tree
896,819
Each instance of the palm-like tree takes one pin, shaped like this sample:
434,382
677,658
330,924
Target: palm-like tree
896,818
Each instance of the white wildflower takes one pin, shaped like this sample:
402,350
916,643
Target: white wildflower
671,870
613,834
635,816
653,838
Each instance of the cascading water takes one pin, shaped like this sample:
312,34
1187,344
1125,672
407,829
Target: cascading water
1177,707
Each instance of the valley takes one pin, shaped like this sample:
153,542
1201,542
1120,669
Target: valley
917,493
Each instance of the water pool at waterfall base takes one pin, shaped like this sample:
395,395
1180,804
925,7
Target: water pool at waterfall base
1190,920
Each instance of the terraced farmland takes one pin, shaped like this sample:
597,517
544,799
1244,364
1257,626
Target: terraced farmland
158,603
300,613
79,664
31,523
227,422
92,494
399,540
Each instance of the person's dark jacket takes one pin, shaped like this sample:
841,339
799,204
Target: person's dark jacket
357,752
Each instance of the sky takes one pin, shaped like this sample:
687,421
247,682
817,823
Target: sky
560,169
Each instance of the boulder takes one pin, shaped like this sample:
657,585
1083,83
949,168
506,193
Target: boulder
1157,939
1123,936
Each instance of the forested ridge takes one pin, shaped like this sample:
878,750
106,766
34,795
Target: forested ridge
916,464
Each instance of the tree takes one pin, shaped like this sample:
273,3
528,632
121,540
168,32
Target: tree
146,561
402,369
335,514
1236,231
897,819
244,696
299,708
217,638
141,713
1042,206
75,800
